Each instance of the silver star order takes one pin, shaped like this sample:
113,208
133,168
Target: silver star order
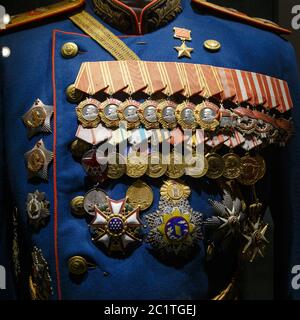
256,240
229,211
37,118
38,160
184,50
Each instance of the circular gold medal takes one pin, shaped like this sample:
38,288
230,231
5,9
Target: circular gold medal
215,166
262,166
139,194
197,169
88,113
185,115
156,167
77,206
232,166
206,114
136,166
36,117
79,148
176,167
250,171
116,166
166,111
36,160
147,114
174,191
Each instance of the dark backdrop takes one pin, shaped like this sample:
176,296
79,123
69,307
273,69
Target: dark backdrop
257,279
266,8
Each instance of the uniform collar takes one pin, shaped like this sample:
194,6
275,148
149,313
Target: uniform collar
137,17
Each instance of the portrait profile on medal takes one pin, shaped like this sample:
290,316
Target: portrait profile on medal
188,116
90,112
208,115
110,112
169,114
150,114
185,114
166,114
36,117
130,113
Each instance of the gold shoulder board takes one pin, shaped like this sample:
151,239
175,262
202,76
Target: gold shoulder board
240,16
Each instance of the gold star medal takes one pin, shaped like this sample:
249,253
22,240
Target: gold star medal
184,35
37,161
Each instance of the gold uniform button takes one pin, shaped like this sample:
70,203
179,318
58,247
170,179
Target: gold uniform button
77,265
77,206
79,148
212,45
69,50
73,95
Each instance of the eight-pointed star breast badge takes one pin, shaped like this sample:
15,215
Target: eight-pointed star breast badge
37,118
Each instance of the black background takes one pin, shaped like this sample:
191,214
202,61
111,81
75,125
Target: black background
257,286
267,8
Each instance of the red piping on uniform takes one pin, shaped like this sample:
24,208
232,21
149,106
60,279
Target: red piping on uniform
143,11
55,203
54,169
137,21
132,11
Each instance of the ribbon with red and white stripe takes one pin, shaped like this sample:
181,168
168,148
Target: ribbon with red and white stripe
217,140
235,139
227,83
210,81
251,143
187,79
284,95
242,88
258,96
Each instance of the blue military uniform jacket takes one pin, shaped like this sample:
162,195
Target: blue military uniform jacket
37,69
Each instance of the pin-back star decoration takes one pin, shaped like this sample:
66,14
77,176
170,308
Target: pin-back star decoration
37,118
174,228
184,50
184,35
230,213
117,226
38,160
256,240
